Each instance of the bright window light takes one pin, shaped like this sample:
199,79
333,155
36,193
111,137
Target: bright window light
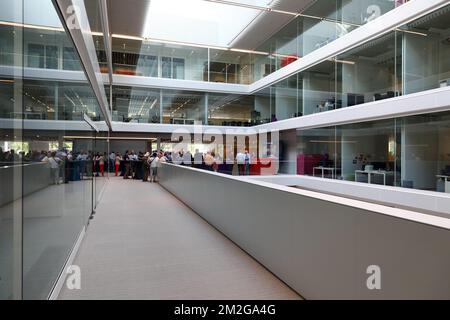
198,21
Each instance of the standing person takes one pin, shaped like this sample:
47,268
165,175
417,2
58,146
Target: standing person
187,158
101,162
247,160
209,161
117,163
176,158
240,160
126,160
96,164
154,163
215,165
198,159
132,160
111,161
54,167
146,166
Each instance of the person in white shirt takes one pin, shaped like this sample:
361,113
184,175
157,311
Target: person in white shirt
82,156
53,162
162,157
198,159
240,160
187,158
154,164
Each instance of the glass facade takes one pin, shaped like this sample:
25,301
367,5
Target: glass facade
410,59
183,107
232,110
43,48
426,46
49,186
318,25
139,105
367,73
410,152
136,105
321,23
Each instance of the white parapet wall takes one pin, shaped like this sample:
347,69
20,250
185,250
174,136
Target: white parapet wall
323,246
437,202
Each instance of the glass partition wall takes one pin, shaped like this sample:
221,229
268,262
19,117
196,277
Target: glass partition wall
370,72
407,60
409,152
321,23
47,192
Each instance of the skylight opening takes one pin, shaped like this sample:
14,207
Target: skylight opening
199,21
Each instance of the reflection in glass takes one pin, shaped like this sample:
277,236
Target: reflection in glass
371,71
286,98
229,67
427,47
319,88
183,107
368,152
136,105
317,153
425,152
264,106
46,190
410,152
232,110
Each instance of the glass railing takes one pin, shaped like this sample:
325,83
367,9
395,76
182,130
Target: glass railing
392,65
320,24
395,152
407,60
47,190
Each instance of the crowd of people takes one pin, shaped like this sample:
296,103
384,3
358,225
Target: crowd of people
144,166
237,165
64,165
140,165
68,165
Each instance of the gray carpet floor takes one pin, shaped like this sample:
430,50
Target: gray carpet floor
145,244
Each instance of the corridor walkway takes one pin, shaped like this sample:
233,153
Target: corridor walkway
145,244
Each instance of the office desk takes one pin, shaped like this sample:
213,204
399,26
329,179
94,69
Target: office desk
373,172
446,180
323,169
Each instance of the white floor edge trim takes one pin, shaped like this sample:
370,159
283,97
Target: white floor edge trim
62,277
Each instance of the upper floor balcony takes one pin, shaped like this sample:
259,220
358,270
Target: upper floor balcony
320,23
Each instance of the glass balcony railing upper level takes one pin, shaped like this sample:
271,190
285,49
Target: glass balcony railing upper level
321,23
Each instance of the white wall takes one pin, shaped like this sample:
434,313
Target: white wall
321,245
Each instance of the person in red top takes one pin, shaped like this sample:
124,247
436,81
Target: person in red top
117,163
101,160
